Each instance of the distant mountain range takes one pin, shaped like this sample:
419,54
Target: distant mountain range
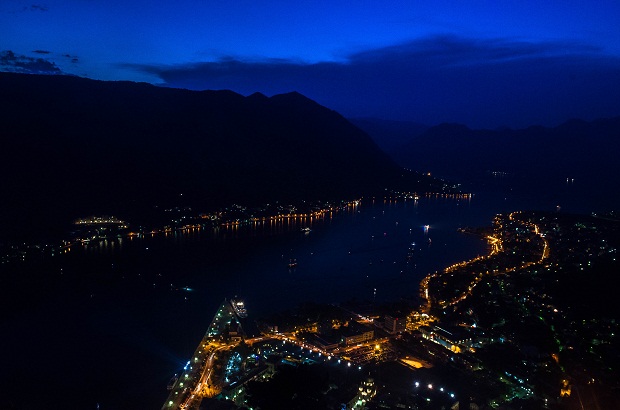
390,135
73,147
575,149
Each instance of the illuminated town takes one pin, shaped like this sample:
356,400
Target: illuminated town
491,332
516,327
334,205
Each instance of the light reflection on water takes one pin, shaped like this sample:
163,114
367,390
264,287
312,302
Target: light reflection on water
119,305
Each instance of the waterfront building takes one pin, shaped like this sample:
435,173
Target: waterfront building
452,338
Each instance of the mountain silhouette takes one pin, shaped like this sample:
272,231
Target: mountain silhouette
575,149
389,135
74,146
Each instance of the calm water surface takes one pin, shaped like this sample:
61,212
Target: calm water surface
111,324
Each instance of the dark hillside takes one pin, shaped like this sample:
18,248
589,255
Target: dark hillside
74,147
575,149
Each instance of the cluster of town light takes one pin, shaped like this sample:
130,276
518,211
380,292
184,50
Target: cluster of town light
430,387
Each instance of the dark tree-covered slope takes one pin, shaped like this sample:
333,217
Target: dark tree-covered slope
73,146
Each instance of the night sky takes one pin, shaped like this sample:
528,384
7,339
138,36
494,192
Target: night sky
481,63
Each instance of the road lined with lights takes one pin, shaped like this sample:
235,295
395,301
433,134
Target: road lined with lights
197,379
497,251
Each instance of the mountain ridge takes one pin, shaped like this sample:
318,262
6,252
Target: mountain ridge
575,147
75,146
389,135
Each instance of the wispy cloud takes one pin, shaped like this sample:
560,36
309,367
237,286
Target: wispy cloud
41,51
11,62
454,50
72,59
35,7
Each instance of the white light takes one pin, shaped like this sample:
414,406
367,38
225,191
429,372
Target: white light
430,386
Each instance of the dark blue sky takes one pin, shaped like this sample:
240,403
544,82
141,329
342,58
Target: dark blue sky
482,63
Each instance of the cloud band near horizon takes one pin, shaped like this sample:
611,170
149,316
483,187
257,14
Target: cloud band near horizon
481,83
